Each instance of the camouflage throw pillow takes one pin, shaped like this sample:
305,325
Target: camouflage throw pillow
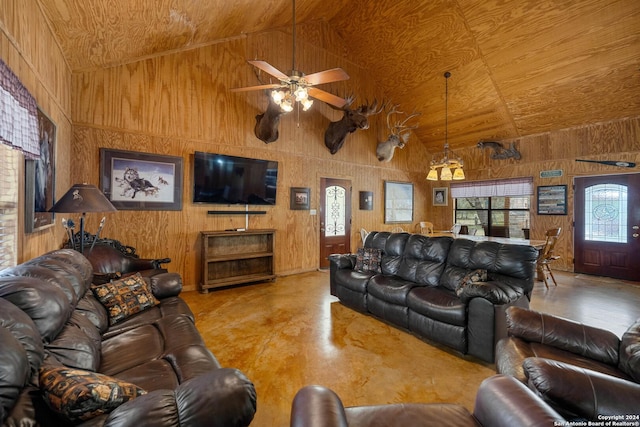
81,395
368,259
125,297
475,276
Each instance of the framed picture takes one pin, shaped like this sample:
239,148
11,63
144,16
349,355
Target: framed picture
440,196
141,181
40,178
366,200
300,198
552,200
398,202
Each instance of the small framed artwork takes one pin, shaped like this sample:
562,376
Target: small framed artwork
40,178
141,181
300,198
441,196
552,200
398,202
366,200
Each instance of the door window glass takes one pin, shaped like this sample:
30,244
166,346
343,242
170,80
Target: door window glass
605,213
335,212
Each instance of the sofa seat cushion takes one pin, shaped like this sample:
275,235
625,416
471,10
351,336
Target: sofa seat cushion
390,289
354,280
439,304
171,350
630,351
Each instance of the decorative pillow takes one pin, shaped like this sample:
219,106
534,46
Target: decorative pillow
80,395
368,259
475,276
125,297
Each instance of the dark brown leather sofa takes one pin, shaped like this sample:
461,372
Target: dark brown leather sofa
419,287
51,321
501,401
583,372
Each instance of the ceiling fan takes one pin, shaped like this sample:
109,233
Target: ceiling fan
296,86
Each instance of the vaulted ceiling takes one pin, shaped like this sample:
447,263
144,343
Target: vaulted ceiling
519,67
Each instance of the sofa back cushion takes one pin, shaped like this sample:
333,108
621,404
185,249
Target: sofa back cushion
377,240
393,250
423,259
500,260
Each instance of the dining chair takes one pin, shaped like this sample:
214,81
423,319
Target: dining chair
363,234
547,256
426,228
397,230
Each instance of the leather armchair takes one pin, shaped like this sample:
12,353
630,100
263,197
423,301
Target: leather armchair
501,401
110,259
582,371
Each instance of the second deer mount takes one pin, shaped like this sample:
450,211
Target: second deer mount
499,152
399,132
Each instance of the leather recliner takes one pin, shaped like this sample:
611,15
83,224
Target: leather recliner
582,371
501,401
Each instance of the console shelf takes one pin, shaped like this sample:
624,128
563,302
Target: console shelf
236,257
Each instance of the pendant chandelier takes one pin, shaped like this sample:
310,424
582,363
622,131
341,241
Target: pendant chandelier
445,162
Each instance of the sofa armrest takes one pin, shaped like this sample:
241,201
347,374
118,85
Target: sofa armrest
496,292
220,398
317,406
341,261
165,285
594,343
503,401
583,392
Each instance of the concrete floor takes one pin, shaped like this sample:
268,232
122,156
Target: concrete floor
290,333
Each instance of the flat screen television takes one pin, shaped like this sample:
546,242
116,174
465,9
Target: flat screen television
231,180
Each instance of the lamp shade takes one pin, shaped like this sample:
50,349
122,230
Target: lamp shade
81,198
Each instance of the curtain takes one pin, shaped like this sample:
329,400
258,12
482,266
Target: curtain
18,114
493,188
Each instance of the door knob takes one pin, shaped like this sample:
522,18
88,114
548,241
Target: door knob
635,235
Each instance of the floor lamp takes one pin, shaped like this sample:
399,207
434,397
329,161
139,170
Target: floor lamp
82,198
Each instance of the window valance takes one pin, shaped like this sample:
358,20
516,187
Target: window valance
493,188
18,114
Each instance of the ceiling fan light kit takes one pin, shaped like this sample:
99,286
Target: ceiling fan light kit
446,163
296,86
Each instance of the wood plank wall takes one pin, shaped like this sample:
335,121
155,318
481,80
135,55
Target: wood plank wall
28,47
617,140
181,103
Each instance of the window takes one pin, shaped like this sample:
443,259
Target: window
10,159
335,202
605,213
494,208
493,216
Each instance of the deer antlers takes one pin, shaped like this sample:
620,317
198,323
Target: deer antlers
399,134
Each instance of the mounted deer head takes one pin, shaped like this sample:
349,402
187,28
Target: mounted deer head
351,121
266,128
399,134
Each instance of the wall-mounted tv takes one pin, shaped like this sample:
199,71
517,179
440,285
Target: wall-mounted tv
231,180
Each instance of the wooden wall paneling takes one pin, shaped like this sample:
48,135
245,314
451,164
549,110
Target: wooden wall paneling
30,50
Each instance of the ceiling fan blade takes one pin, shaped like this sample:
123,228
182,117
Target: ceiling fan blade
270,69
248,88
327,97
327,76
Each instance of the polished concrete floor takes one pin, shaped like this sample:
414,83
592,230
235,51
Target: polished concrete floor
290,333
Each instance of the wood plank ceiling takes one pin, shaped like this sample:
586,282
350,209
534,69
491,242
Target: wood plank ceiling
519,67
